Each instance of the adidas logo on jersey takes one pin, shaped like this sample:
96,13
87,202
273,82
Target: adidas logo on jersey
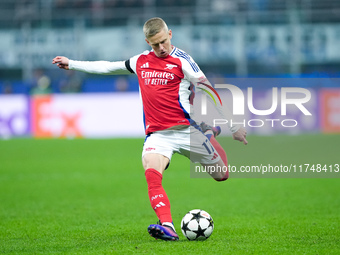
145,65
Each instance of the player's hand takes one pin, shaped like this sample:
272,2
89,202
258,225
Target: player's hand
240,135
62,62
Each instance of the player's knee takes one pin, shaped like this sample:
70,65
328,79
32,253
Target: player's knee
222,178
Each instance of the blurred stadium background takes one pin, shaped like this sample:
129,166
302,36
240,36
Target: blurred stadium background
74,196
229,39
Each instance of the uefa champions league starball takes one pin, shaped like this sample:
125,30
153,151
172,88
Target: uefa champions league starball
197,225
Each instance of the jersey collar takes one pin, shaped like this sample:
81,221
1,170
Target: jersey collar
173,50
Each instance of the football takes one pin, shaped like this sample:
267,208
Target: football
197,225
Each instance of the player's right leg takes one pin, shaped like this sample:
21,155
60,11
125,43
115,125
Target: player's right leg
163,231
156,158
155,165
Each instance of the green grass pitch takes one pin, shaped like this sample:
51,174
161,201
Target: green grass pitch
90,197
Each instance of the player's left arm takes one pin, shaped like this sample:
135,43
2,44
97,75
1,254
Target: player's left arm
240,135
198,78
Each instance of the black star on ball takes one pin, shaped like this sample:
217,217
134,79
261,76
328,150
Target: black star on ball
197,216
199,232
211,223
185,226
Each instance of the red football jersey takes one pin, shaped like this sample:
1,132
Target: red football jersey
165,87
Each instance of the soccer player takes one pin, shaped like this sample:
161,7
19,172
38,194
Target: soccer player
165,75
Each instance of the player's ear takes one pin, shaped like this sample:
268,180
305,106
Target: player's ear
170,34
147,41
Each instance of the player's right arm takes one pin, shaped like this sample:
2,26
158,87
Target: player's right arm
95,67
62,62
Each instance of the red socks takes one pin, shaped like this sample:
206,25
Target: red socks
158,198
219,149
222,154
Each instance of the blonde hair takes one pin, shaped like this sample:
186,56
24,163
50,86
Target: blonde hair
153,26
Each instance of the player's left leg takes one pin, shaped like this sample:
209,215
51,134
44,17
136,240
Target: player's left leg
211,133
207,151
221,172
215,131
